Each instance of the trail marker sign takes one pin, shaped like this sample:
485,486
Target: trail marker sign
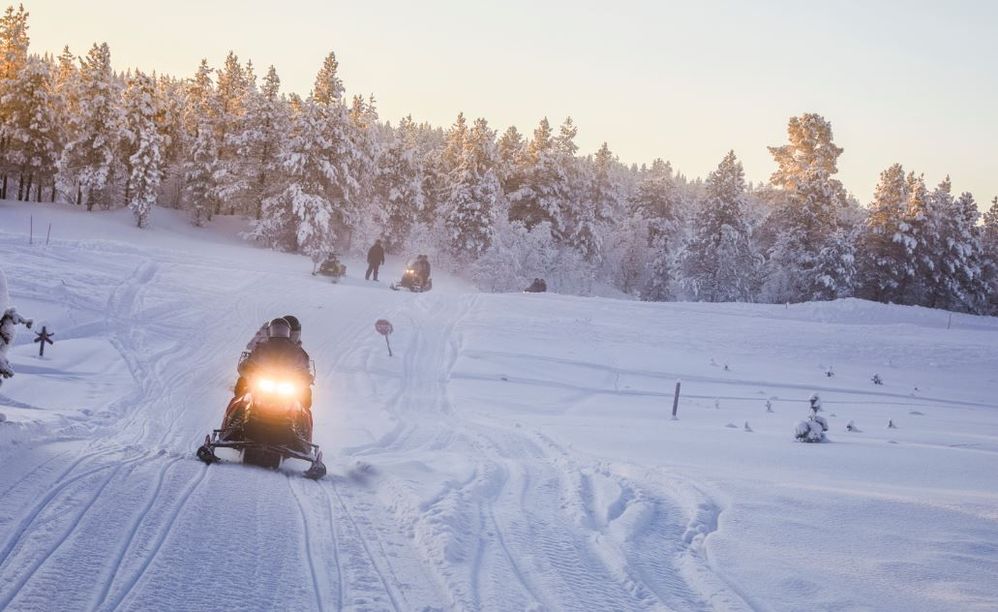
384,327
43,337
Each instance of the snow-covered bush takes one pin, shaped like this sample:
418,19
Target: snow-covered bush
9,320
814,428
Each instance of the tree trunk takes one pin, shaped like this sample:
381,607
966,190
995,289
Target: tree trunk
27,188
20,187
3,189
52,196
79,195
38,192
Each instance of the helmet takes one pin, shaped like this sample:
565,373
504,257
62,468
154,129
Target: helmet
280,328
295,328
293,322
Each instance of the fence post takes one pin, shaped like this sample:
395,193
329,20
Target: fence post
48,234
31,229
675,401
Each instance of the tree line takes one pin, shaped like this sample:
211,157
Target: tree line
324,173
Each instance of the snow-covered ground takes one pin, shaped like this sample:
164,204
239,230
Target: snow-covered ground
517,452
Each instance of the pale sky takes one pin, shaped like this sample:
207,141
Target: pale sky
910,81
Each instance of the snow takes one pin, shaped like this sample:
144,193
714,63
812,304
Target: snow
517,452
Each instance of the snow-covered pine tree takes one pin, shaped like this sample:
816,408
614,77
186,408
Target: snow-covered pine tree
30,129
88,159
260,141
398,186
235,86
439,165
302,217
835,266
656,202
367,147
916,233
885,245
539,199
170,120
599,202
989,254
200,172
511,150
143,142
972,287
568,188
626,254
807,216
475,195
201,190
336,144
719,262
13,55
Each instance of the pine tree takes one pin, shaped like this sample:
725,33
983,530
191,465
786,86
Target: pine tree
302,217
989,255
808,214
144,141
88,159
398,185
233,91
719,262
600,202
261,139
511,151
171,93
31,131
885,246
541,199
656,202
475,195
200,175
336,144
13,56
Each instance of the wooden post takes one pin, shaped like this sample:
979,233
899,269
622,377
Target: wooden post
949,321
31,229
48,234
675,400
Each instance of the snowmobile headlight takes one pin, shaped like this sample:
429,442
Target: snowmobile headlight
410,271
280,387
286,388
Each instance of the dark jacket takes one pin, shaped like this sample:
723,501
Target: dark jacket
277,353
376,255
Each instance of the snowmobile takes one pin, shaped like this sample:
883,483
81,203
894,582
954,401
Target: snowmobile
268,424
331,267
538,286
412,279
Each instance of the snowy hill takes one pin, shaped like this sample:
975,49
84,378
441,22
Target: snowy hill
517,452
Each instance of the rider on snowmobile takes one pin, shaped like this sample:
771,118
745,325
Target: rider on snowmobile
281,350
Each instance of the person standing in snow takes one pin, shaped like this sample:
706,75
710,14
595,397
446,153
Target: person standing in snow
423,269
375,259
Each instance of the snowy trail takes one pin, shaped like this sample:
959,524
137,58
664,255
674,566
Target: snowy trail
512,454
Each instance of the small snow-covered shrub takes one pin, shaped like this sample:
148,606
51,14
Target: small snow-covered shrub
814,428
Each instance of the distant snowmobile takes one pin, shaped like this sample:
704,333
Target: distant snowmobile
268,424
416,277
331,267
538,286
